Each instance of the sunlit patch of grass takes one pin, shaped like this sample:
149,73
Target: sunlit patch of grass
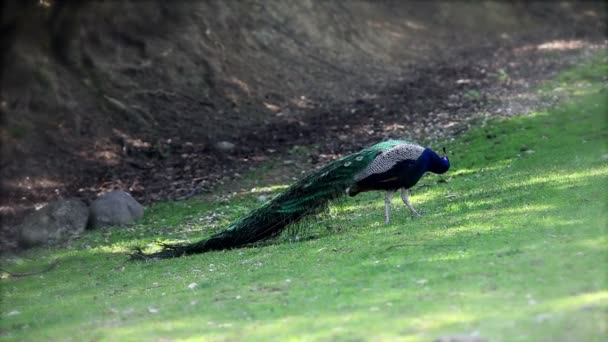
562,178
271,188
596,243
578,301
584,80
511,246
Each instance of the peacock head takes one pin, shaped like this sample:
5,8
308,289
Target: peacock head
440,164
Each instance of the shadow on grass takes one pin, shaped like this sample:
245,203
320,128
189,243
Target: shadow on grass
517,250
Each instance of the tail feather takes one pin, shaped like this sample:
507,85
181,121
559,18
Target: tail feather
308,196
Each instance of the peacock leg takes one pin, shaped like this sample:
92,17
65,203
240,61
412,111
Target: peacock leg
406,200
387,205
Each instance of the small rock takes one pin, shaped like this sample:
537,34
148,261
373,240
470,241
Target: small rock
225,146
283,112
262,198
116,208
543,317
13,313
152,310
192,286
55,223
116,103
589,307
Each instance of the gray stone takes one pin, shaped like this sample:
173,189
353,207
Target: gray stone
116,208
262,198
225,146
55,223
119,105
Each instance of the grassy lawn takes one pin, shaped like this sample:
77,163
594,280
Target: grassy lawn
512,246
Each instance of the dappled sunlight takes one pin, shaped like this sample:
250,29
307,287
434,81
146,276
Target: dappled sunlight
562,45
559,45
438,320
107,157
115,248
242,85
483,208
302,102
524,210
494,167
370,207
272,107
313,325
269,188
376,314
479,212
579,301
391,128
32,183
109,153
599,243
536,217
395,31
505,251
564,178
85,251
577,88
415,25
468,202
29,187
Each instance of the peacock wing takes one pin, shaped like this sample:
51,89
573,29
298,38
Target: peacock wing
387,160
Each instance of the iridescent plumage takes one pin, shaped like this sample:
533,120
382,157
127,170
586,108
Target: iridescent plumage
388,165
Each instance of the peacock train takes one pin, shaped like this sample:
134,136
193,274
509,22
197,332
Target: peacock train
387,166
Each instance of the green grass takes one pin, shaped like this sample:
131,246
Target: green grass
512,246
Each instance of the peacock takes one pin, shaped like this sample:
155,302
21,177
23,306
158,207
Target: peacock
389,166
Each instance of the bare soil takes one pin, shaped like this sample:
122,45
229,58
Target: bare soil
142,96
